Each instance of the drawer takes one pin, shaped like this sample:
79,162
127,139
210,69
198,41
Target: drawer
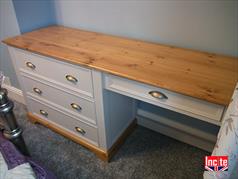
170,100
47,112
76,105
68,75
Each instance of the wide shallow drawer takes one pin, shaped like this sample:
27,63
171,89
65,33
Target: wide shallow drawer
174,101
76,105
68,75
47,112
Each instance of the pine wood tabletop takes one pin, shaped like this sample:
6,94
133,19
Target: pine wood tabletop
202,75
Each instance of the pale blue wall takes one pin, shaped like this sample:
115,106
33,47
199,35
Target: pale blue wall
33,14
207,25
20,16
8,28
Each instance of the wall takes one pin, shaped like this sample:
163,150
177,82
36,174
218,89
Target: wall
20,16
8,28
33,14
202,25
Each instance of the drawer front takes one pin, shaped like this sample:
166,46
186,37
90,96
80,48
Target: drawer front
71,76
46,112
76,105
177,102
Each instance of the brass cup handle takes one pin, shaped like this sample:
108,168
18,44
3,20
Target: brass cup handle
44,113
81,131
158,95
30,65
71,78
37,90
76,106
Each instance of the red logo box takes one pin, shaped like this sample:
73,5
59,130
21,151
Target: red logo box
216,163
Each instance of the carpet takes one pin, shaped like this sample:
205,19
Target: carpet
145,155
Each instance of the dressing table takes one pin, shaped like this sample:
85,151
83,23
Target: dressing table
84,85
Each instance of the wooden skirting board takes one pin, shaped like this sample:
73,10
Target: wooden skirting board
14,93
103,155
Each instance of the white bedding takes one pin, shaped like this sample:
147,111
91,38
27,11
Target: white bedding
227,142
23,171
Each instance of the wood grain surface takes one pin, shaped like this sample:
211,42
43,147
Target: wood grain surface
202,75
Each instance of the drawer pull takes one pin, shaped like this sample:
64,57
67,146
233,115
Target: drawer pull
44,113
30,65
71,78
76,106
81,131
37,90
158,95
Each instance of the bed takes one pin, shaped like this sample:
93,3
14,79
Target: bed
227,142
15,165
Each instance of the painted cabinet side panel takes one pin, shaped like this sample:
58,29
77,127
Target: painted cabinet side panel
120,114
101,112
114,112
14,57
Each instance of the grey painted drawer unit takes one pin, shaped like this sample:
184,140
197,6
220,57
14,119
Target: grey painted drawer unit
69,122
190,106
89,87
93,106
54,89
79,79
71,98
73,103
